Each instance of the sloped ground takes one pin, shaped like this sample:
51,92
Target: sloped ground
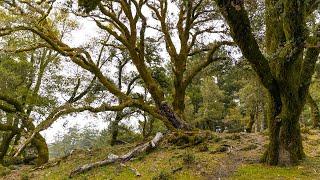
227,156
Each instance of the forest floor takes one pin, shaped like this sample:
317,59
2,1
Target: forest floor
226,156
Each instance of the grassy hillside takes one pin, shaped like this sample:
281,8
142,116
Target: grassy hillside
225,156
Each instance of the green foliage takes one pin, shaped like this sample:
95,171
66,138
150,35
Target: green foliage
74,139
212,107
15,74
88,5
204,104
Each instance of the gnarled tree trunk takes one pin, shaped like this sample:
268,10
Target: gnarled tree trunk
286,72
39,142
42,148
6,140
285,147
179,102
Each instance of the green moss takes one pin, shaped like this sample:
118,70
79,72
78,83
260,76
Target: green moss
307,170
4,171
167,159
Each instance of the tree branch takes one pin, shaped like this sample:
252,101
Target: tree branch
237,18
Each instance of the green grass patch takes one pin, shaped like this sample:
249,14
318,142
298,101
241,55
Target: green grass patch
308,169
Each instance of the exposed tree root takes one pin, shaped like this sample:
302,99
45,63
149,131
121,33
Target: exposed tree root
121,159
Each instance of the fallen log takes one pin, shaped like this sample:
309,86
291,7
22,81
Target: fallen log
121,159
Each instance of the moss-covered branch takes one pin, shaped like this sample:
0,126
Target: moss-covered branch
237,18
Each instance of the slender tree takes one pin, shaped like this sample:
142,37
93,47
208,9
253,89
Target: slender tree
315,114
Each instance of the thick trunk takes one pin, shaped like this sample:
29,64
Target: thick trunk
285,147
315,115
6,140
178,101
42,148
7,137
173,118
40,143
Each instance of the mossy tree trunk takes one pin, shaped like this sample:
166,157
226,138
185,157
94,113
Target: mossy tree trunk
285,147
8,136
39,142
42,148
315,114
179,100
251,122
5,143
286,71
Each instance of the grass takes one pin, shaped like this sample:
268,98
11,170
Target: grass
170,162
308,169
149,167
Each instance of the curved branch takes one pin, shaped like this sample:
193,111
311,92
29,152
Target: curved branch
209,59
17,105
68,109
237,18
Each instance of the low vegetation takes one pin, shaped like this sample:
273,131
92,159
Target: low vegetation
239,160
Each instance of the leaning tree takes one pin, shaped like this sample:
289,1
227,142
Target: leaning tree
30,80
127,23
284,66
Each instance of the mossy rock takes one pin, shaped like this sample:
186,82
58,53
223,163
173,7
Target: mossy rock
249,147
189,138
221,149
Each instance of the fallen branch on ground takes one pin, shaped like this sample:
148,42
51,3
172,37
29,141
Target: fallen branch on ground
121,159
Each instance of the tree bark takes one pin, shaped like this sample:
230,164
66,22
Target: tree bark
251,122
173,118
39,142
285,147
179,101
286,73
6,140
315,115
43,152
